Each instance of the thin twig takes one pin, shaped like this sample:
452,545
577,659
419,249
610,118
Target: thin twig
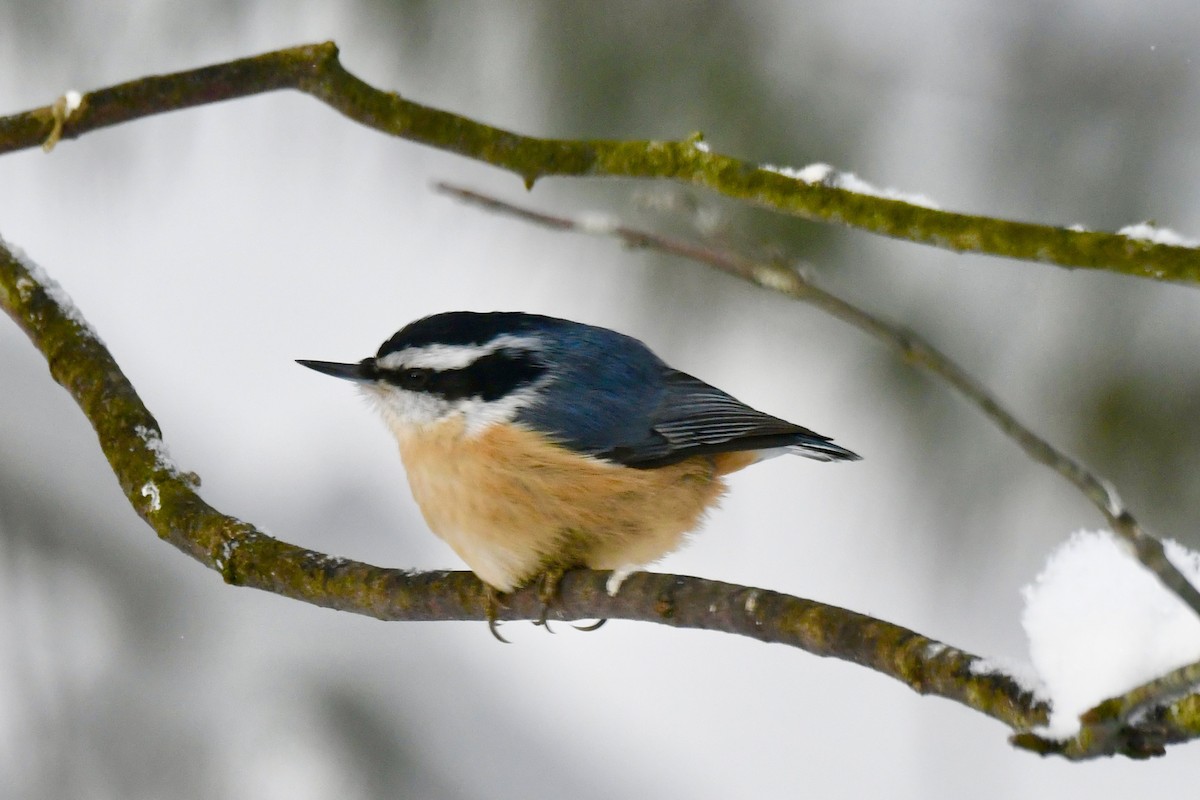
819,196
1120,710
911,347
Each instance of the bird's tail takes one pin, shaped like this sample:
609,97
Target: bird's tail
821,449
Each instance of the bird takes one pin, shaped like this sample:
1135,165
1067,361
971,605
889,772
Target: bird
534,445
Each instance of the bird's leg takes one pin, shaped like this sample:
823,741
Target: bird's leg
491,609
548,586
548,583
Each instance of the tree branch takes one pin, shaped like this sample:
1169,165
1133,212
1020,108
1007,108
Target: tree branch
165,497
316,70
785,280
1139,723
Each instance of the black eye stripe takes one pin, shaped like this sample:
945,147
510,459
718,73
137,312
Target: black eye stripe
406,378
488,377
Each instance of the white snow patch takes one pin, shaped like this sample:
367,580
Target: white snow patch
1020,672
25,287
1147,232
934,649
826,175
813,173
150,489
1078,228
1100,624
162,456
702,146
39,277
72,100
228,548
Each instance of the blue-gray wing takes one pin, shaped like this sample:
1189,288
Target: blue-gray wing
693,418
612,398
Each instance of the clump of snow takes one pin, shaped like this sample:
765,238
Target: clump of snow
826,175
228,548
1019,672
1100,624
934,649
1148,232
150,489
25,287
813,173
162,456
72,100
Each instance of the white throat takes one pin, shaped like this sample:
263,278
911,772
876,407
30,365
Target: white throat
404,410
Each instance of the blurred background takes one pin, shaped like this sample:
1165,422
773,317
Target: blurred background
212,247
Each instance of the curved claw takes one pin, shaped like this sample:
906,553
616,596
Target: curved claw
491,604
595,626
547,593
494,629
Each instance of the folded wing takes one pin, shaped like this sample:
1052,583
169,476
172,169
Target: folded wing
694,418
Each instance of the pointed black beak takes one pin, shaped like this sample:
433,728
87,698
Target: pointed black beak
360,372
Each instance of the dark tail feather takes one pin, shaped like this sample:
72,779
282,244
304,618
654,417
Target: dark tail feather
820,449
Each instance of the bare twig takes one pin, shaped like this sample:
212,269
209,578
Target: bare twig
316,70
1176,684
1139,723
912,348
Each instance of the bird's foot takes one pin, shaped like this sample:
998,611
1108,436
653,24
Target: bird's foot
491,610
547,592
548,586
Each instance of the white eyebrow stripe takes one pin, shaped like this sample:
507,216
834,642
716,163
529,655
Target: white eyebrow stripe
454,356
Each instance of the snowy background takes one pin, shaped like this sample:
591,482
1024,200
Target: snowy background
212,247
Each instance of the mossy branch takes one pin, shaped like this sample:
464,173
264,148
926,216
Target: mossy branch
166,498
1132,724
783,279
316,70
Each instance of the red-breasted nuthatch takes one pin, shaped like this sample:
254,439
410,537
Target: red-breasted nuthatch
534,445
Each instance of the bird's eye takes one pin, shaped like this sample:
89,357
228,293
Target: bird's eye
416,378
